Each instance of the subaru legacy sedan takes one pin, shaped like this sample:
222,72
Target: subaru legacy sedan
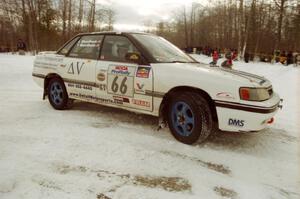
147,74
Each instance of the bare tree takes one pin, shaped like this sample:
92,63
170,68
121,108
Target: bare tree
281,8
69,17
64,18
92,16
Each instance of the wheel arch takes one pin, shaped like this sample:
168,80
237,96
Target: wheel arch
168,96
47,80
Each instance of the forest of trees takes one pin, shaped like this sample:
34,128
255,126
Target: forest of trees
47,24
256,26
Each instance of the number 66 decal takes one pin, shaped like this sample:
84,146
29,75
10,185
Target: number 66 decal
123,86
120,80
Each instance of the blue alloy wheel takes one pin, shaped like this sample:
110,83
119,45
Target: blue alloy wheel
183,118
56,93
190,118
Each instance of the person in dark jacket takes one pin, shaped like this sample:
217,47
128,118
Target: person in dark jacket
289,58
246,57
21,47
228,62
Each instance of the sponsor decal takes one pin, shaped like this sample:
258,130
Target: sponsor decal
85,86
75,68
120,70
225,95
140,88
121,99
96,99
50,59
236,122
143,72
80,86
90,43
141,103
102,87
101,76
40,63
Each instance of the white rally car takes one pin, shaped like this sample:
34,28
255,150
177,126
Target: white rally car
145,73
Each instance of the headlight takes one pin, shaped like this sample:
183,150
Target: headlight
255,94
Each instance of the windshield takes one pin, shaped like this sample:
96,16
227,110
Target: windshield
162,50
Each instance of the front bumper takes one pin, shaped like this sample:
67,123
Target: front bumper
246,117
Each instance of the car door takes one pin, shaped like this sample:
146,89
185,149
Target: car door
123,83
79,67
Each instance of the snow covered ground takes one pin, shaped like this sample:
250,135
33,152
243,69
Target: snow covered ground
95,152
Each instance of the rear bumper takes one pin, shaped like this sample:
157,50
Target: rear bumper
245,117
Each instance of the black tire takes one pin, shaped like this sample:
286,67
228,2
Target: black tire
59,100
200,111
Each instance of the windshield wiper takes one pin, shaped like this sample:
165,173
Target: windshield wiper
178,62
183,62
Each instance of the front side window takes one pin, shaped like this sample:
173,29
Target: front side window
162,50
115,48
87,47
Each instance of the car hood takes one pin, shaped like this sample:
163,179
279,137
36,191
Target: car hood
256,79
229,74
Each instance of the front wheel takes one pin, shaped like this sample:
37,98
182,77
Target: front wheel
57,94
190,118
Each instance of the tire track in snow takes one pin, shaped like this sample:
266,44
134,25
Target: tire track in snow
209,165
170,184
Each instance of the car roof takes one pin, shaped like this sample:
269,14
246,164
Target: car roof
114,33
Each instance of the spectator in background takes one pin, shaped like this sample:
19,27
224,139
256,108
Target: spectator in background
283,57
215,56
234,55
246,57
21,47
297,59
228,62
276,57
289,58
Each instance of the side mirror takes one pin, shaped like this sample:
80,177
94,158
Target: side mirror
133,57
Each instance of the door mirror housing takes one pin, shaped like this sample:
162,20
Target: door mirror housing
133,57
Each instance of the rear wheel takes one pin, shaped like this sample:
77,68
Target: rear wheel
57,94
190,118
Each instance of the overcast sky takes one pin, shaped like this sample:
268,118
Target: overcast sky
132,14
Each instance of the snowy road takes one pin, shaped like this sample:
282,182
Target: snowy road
95,152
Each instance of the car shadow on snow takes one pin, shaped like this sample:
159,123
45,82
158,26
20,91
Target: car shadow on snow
113,116
259,142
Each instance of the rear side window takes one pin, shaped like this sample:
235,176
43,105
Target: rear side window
87,47
67,47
